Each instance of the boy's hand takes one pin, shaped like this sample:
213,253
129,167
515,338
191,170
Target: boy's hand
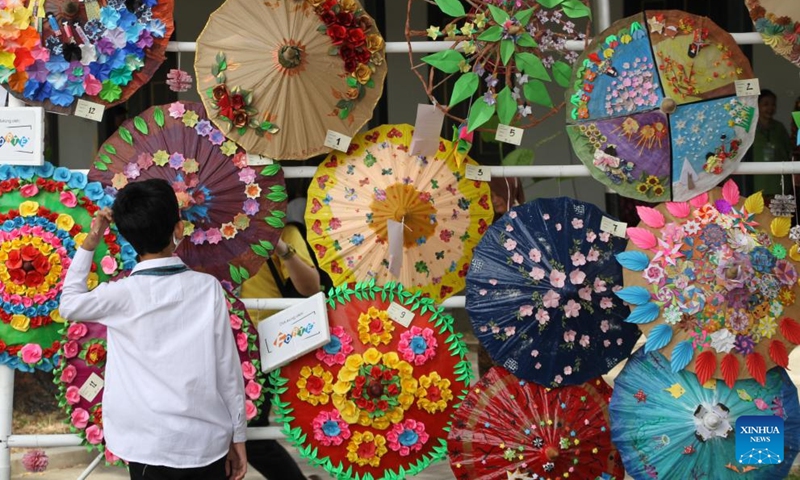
100,223
236,463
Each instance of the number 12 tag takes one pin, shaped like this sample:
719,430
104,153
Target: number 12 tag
337,141
90,110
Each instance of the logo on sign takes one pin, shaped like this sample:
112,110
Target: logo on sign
759,440
282,338
14,140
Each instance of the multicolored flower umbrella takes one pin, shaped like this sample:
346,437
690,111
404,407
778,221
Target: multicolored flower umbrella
778,22
666,425
81,373
353,196
508,428
45,214
505,54
539,293
375,402
713,283
277,76
653,112
233,213
81,50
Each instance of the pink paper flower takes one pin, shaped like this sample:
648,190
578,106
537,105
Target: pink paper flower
760,404
110,457
535,255
35,461
72,395
584,341
213,236
76,331
550,299
567,370
509,228
572,309
68,199
576,277
241,341
108,264
68,374
27,191
558,227
569,335
538,366
537,273
94,434
606,343
542,316
512,214
178,80
417,345
606,303
337,350
546,216
605,237
557,278
31,353
80,418
577,223
558,379
599,285
248,370
585,293
510,244
605,326
329,428
590,236
526,310
92,85
510,331
578,259
253,390
407,436
653,273
247,175
534,353
236,322
493,281
250,409
176,110
593,255
517,258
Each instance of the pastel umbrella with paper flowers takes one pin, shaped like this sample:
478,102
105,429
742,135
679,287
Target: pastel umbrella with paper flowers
277,76
540,293
233,213
713,282
80,375
353,196
375,402
45,214
653,112
668,426
508,55
778,22
102,54
507,428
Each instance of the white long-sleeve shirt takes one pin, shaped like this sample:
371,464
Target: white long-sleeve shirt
174,393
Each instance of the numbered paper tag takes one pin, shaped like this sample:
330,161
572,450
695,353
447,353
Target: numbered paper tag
337,141
395,233
425,140
508,134
479,173
91,387
618,229
400,314
746,88
256,160
90,110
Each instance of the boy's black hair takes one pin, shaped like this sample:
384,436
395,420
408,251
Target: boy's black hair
767,93
146,213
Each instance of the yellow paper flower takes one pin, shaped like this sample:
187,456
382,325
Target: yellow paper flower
56,317
315,385
65,222
161,158
7,59
190,165
366,448
433,32
241,221
767,327
375,327
434,393
20,322
190,118
228,147
28,208
119,180
92,281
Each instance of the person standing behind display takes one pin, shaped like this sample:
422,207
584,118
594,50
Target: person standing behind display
771,144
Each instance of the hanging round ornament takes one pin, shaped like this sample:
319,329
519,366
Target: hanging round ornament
45,214
56,52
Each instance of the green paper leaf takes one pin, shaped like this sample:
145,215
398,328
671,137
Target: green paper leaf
158,116
140,125
234,274
271,170
465,87
215,70
104,158
454,8
520,156
244,273
506,106
507,49
532,65
259,250
275,222
479,114
491,34
352,82
110,149
448,61
562,73
524,16
277,214
110,92
498,15
536,92
575,9
525,40
268,245
101,166
277,196
549,3
125,135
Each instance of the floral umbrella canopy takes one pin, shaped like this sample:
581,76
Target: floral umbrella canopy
353,196
652,107
512,50
45,214
375,402
666,425
778,22
539,293
277,76
81,373
82,50
715,280
233,213
508,428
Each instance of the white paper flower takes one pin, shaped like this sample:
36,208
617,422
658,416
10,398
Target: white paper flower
722,340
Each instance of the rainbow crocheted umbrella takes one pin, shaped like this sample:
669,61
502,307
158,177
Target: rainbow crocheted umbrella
81,373
375,402
45,213
652,108
713,283
233,213
778,22
82,50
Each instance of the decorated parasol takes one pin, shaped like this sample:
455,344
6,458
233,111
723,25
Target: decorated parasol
666,425
233,213
354,195
504,59
714,284
653,112
778,22
81,374
277,76
375,402
507,428
45,214
57,52
539,293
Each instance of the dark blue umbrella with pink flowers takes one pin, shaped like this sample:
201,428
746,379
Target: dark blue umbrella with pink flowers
540,293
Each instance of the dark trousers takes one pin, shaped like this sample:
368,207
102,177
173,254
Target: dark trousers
214,471
269,457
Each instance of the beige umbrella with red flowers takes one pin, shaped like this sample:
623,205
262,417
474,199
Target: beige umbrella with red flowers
277,76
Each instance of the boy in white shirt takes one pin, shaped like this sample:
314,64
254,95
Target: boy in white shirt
174,402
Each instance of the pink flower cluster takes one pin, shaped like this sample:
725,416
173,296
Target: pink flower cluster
329,428
406,437
417,345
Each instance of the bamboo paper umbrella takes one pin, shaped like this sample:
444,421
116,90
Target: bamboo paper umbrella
443,215
277,76
653,112
713,282
778,22
102,54
233,213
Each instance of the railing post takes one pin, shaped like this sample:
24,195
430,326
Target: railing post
6,415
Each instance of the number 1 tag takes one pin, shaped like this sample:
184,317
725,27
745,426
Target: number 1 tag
90,110
746,88
337,141
400,314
